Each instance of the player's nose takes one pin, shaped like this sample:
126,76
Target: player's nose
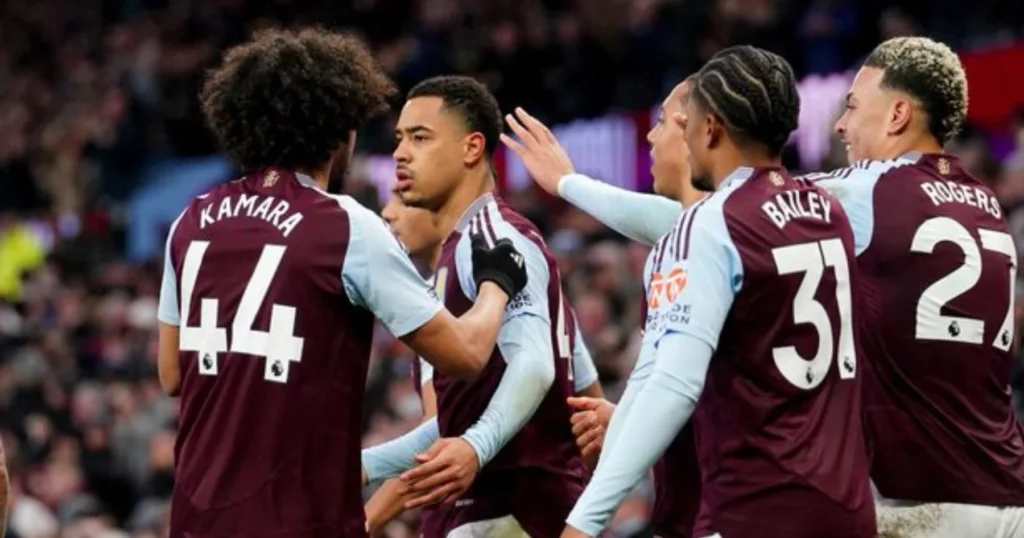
401,153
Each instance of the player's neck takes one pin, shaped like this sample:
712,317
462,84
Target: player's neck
319,177
732,160
475,185
916,143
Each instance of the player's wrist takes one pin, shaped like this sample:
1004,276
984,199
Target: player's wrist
470,438
565,182
498,279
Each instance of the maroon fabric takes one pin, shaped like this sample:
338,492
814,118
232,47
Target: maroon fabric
778,459
939,413
262,458
543,456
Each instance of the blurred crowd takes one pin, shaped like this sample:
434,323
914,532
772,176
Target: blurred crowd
92,91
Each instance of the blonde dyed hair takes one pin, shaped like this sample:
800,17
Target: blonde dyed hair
929,72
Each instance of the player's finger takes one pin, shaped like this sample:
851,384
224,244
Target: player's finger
435,496
582,417
527,138
583,403
434,481
511,143
593,449
590,436
583,426
535,126
423,470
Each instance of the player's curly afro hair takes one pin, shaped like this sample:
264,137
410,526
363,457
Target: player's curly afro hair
289,99
754,92
471,100
931,73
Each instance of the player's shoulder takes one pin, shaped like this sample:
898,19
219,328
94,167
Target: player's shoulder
865,170
497,220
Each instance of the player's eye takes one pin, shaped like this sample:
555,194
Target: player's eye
418,138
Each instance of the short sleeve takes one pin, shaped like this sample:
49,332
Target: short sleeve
379,276
533,300
167,310
700,287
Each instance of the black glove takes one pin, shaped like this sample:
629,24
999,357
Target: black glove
501,264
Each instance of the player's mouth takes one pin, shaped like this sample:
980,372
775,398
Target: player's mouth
403,180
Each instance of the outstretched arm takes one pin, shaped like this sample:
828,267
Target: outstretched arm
641,217
644,218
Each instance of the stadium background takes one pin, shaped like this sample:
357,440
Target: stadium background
102,144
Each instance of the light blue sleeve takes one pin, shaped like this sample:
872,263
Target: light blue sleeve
647,426
533,300
584,371
167,309
525,343
644,218
390,459
854,187
379,276
713,275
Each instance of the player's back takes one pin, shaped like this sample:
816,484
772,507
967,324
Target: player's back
938,267
541,465
779,423
273,363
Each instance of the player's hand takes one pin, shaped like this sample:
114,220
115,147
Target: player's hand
501,264
589,425
445,471
573,532
541,153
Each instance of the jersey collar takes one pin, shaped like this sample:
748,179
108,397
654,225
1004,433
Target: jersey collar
473,209
738,175
306,181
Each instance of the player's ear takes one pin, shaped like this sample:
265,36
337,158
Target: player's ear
901,112
715,130
474,149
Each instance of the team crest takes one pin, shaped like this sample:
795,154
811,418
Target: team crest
270,179
776,179
944,166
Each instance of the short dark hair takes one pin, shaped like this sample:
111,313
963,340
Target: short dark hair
289,99
931,73
754,92
471,100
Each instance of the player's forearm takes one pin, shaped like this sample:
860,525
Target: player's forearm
525,343
479,327
386,504
391,459
660,410
641,217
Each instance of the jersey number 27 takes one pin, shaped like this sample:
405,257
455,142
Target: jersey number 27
279,346
931,324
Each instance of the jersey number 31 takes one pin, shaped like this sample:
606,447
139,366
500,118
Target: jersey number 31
811,260
279,346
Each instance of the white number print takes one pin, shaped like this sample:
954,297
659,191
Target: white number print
811,260
279,346
931,324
